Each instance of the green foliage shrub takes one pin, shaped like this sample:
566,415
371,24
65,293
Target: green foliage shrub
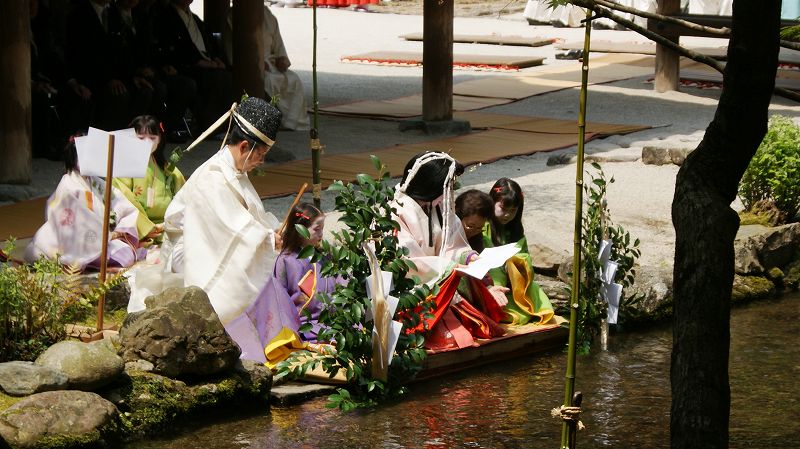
596,227
366,211
773,176
36,303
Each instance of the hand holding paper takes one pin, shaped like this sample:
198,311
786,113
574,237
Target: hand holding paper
489,258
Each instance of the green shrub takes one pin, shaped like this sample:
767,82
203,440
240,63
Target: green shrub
773,176
596,227
36,303
367,214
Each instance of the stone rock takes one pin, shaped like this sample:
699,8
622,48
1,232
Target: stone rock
294,392
654,286
545,260
254,375
25,378
87,365
565,159
556,291
180,334
565,268
150,402
759,248
656,155
68,418
139,365
748,288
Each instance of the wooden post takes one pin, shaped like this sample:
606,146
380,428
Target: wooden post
437,60
668,74
15,93
248,48
215,13
101,278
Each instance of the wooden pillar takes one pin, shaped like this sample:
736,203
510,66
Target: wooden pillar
437,60
248,48
15,93
215,13
668,74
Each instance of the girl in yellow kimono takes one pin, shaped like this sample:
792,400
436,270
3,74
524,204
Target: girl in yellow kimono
527,301
153,193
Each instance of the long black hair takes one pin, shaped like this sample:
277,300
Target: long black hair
509,194
71,152
147,124
428,182
302,214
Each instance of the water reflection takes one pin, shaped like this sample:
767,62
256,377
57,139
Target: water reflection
507,405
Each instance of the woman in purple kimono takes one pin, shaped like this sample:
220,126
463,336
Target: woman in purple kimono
291,296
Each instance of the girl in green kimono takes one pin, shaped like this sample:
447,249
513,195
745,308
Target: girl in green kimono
527,301
153,193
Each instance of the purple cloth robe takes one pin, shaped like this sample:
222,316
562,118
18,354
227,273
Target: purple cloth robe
277,306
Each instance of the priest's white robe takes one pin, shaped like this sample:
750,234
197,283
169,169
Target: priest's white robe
74,226
219,236
285,85
432,261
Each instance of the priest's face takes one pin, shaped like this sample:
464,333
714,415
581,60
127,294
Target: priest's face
248,156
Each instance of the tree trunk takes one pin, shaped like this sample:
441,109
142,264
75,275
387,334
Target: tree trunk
248,48
705,227
15,93
437,60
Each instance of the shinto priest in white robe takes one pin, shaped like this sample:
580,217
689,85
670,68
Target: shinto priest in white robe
219,236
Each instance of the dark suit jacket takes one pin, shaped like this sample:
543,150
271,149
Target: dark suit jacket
89,49
175,45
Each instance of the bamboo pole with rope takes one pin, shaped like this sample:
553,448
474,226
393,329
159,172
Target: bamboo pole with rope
569,426
316,146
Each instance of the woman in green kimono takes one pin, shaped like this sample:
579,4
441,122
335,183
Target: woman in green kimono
153,193
527,301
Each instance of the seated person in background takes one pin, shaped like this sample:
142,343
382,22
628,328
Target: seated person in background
279,81
431,231
186,49
279,309
100,68
74,226
474,208
528,302
216,230
153,193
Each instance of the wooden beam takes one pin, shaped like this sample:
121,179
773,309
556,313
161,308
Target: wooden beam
667,76
248,48
437,60
15,93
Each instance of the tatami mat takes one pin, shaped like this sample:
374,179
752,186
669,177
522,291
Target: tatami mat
496,90
494,39
415,57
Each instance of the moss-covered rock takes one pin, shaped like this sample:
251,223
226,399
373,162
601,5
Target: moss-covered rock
791,279
748,288
150,402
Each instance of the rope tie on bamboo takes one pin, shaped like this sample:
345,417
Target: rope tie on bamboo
569,414
317,146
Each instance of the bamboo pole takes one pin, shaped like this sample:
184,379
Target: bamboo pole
104,248
316,146
569,427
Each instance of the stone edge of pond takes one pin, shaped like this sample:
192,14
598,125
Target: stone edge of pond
148,404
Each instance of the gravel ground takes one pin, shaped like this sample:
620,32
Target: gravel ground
639,199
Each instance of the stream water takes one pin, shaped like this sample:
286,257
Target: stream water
507,405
